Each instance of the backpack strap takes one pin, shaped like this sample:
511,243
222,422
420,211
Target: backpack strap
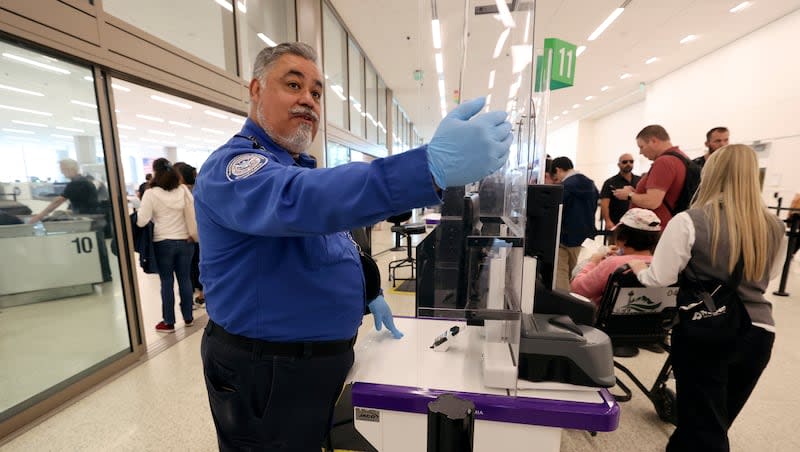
686,173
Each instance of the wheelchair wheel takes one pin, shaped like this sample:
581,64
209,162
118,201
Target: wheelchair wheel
664,401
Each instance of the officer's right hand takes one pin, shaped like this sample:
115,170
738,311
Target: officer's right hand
463,151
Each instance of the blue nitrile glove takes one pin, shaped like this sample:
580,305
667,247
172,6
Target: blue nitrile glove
463,151
383,316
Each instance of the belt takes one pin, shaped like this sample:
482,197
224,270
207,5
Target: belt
291,349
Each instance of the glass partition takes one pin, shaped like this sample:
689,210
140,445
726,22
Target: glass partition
61,297
263,23
356,75
381,118
206,33
371,104
335,65
153,124
337,154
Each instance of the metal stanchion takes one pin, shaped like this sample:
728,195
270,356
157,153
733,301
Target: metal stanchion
451,424
794,232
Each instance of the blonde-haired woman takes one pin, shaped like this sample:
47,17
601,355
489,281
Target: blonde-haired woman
727,219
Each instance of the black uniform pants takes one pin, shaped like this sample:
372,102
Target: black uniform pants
265,402
713,384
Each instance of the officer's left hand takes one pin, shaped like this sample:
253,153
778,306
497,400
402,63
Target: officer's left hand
383,316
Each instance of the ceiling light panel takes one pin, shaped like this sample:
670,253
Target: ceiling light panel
436,32
688,39
651,60
215,114
150,118
169,101
21,91
740,7
606,23
44,66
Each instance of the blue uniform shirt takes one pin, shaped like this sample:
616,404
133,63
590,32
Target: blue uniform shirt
277,263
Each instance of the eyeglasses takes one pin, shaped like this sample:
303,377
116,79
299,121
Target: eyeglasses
626,161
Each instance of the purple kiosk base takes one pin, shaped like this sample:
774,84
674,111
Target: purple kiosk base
395,380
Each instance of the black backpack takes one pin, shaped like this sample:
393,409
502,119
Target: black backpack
690,184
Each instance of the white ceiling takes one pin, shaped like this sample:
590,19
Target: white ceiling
396,36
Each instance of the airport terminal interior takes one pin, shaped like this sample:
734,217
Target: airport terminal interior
96,91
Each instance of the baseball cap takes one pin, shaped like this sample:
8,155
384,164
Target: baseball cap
642,219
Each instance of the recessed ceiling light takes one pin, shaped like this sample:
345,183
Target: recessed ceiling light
624,76
605,88
580,50
48,67
26,132
20,90
437,34
120,87
83,104
740,7
225,4
89,121
26,123
123,126
88,78
26,110
167,100
491,79
180,124
611,18
215,114
576,105
158,132
268,41
150,118
651,60
439,63
57,135
241,6
688,38
70,129
565,112
242,120
556,118
588,98
218,132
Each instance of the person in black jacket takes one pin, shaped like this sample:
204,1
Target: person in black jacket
577,218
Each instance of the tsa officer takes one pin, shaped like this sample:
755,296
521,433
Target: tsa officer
283,282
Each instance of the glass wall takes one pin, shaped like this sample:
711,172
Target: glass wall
263,23
356,76
206,30
335,65
63,311
371,103
381,112
337,154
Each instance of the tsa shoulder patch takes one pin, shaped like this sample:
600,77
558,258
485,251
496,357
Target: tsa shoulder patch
245,165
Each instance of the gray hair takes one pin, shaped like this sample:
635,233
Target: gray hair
69,164
269,55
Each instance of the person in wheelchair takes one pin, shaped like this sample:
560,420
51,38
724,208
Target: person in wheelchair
636,237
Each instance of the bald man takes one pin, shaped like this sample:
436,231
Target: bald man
612,208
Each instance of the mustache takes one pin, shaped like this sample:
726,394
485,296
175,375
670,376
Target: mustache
304,111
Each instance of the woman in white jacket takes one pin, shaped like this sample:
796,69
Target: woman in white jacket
727,221
171,208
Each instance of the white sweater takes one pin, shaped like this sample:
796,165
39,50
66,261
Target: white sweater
165,208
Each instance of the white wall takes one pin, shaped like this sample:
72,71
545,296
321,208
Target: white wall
747,86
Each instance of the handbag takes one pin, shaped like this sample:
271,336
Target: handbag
711,311
188,214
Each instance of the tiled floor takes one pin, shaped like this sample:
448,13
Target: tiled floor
161,404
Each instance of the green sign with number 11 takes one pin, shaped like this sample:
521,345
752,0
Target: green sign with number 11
562,73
